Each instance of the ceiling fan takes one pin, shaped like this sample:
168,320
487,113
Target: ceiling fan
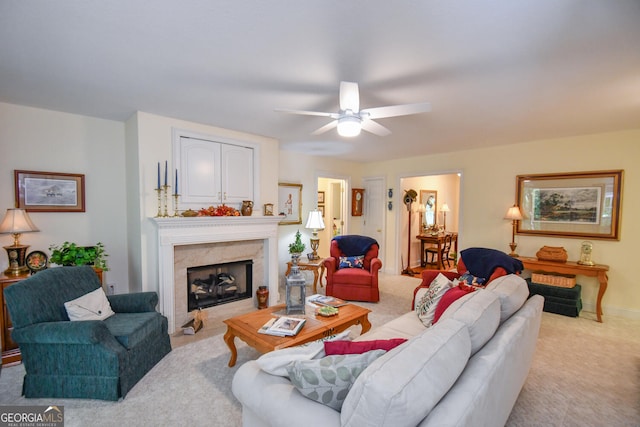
350,120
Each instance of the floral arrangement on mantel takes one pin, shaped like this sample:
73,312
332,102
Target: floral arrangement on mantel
221,210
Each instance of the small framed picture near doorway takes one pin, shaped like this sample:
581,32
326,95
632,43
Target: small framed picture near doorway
49,191
290,203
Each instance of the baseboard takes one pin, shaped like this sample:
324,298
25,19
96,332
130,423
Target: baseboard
612,311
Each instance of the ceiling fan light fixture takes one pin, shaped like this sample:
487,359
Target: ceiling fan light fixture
349,126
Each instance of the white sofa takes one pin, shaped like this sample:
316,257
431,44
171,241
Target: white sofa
466,370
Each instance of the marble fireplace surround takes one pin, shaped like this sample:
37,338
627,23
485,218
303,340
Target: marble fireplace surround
178,239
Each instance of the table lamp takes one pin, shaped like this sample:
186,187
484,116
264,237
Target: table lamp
16,222
514,215
314,222
444,209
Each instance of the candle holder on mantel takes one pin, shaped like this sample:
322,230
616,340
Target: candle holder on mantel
159,191
176,212
166,200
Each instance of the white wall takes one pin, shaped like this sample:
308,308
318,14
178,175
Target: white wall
50,141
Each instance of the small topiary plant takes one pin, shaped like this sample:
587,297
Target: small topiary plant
297,247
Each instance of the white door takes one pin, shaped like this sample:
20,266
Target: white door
374,210
200,169
237,174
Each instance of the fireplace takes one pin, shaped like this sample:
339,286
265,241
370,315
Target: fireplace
187,242
216,284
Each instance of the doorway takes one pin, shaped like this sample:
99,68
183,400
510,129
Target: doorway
440,207
332,191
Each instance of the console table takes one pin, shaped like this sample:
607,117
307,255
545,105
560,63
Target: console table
599,271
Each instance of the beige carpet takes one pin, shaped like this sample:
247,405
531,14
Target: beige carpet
584,374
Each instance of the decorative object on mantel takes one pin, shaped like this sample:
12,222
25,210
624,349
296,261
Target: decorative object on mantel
247,208
552,253
268,209
163,194
585,253
16,222
514,215
315,223
221,210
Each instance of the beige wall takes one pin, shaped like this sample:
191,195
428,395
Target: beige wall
50,141
488,189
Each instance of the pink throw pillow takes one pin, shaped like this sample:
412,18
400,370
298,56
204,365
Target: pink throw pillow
449,297
359,347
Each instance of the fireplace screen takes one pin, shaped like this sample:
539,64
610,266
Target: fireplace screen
215,284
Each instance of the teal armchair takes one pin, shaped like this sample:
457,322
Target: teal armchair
94,359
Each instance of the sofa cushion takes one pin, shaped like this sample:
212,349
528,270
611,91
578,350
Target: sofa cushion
276,362
406,326
359,347
328,380
130,329
513,292
480,311
351,261
427,304
401,387
355,276
91,306
449,297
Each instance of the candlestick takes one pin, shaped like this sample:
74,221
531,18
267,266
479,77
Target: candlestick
165,172
158,187
176,189
176,212
159,191
166,200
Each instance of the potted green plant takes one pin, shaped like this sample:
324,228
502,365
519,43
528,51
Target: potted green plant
69,254
297,247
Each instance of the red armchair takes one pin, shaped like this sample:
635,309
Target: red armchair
355,284
496,264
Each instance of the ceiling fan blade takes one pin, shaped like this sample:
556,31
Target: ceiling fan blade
375,128
308,113
325,128
397,110
349,97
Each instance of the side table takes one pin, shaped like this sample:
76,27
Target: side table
570,267
10,350
316,266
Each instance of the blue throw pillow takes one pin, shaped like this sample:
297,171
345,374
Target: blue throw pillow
471,280
352,261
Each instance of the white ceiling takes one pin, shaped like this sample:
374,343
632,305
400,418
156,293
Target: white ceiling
495,71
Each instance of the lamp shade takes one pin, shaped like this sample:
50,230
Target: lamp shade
17,221
513,213
445,208
314,221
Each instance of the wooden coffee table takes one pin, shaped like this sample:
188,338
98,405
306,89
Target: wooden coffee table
246,328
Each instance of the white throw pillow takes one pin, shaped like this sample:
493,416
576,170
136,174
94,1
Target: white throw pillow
403,386
513,292
92,306
276,362
426,307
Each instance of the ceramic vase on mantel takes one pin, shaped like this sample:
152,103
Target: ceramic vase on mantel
247,208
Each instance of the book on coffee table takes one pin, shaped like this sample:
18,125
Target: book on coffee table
282,326
326,300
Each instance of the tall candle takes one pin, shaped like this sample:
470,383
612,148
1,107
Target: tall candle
176,181
165,172
158,175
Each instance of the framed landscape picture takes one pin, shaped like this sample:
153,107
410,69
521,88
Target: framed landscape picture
577,204
290,203
49,191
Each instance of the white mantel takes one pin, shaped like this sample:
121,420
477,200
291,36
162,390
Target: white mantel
173,232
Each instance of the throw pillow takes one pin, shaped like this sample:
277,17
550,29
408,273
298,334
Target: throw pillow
276,362
359,347
352,261
91,306
449,297
471,280
328,380
426,308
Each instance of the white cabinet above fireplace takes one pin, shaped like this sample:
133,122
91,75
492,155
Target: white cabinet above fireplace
214,172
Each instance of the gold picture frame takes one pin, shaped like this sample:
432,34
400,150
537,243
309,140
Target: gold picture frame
49,191
575,204
290,203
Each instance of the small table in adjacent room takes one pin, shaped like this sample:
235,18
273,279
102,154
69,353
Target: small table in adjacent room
316,266
437,239
246,328
570,267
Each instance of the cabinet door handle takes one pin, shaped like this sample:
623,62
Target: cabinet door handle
225,195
